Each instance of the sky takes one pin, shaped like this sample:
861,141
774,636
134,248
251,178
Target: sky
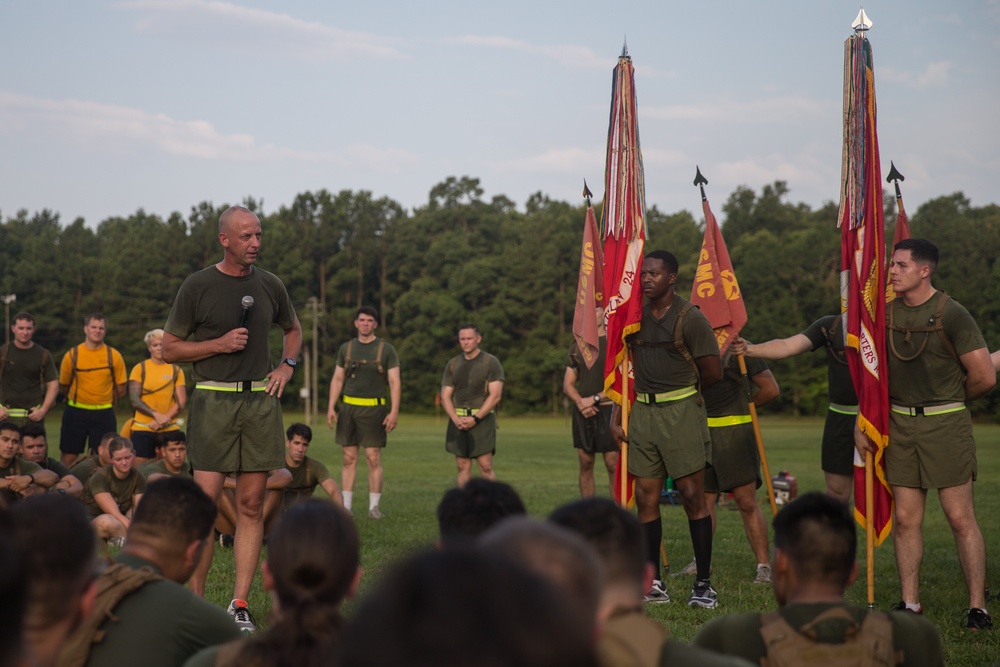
109,107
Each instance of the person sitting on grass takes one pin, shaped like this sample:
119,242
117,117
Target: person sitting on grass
35,448
466,512
312,566
815,541
171,458
113,492
225,525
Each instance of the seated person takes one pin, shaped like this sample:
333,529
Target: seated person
35,448
307,472
113,491
19,477
225,523
87,466
171,458
466,512
815,541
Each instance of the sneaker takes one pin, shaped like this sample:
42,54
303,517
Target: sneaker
703,595
657,592
116,542
240,612
901,606
226,540
763,574
977,619
690,570
374,513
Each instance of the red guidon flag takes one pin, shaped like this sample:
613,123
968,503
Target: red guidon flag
863,275
589,291
715,289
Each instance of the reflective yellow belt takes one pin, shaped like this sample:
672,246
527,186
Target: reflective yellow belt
354,400
84,406
466,412
20,412
929,410
245,385
732,420
843,409
667,396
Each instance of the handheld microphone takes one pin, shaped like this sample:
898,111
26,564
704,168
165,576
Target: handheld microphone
247,303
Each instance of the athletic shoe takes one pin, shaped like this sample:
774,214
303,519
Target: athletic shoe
374,513
703,595
116,542
763,574
657,592
226,540
977,619
690,570
240,612
901,606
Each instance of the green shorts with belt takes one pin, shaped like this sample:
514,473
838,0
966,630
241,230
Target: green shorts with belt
478,440
735,461
235,431
668,439
930,451
362,425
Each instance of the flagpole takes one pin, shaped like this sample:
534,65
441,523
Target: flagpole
623,454
757,435
870,526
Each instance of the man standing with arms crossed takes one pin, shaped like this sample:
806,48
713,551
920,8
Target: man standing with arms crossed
668,426
470,390
938,360
28,381
365,366
92,375
235,415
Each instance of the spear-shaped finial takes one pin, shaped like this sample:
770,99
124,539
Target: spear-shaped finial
700,181
587,194
895,177
862,23
625,47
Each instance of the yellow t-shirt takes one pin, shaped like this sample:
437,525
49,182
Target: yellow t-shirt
93,383
157,391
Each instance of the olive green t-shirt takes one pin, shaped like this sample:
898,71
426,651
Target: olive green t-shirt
935,376
207,306
840,386
657,364
362,379
19,466
160,468
589,381
470,378
306,477
56,466
25,373
85,468
122,490
728,396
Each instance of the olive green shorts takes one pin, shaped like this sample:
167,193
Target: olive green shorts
838,443
668,439
735,461
593,434
361,425
235,431
930,452
480,439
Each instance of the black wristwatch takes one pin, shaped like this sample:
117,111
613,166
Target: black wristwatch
597,399
291,362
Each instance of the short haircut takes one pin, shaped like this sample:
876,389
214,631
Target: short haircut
10,426
24,316
119,443
33,430
177,507
107,439
468,511
151,334
421,614
96,315
59,550
668,258
469,325
613,532
921,250
817,533
301,430
168,437
371,311
228,214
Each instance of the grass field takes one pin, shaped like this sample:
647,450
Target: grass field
535,455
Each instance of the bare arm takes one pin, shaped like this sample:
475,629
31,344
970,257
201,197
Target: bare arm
292,345
709,370
495,393
177,350
586,405
51,392
982,375
394,396
768,388
447,391
108,505
278,479
333,491
70,485
779,348
336,384
995,358
617,432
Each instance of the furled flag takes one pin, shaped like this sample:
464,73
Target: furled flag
589,288
902,225
863,264
715,288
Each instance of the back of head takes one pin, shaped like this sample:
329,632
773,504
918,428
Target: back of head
58,548
173,510
425,612
613,533
556,554
817,534
13,591
467,512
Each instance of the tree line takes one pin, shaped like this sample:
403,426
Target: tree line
460,258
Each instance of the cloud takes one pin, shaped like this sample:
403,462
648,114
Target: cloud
112,128
561,160
934,75
571,56
778,109
247,29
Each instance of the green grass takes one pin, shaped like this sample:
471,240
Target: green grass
535,455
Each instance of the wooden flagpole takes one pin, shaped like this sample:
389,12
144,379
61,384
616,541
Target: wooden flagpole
757,435
870,525
623,454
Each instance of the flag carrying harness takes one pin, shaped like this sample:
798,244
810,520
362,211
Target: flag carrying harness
868,644
936,323
678,344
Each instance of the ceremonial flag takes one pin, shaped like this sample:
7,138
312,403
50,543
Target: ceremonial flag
589,290
716,291
623,228
863,275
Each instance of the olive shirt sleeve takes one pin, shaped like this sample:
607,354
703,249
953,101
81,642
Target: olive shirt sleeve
699,336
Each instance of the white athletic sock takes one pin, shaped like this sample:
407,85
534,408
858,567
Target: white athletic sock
913,606
373,499
348,496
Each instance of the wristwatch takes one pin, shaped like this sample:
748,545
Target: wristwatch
291,362
597,399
